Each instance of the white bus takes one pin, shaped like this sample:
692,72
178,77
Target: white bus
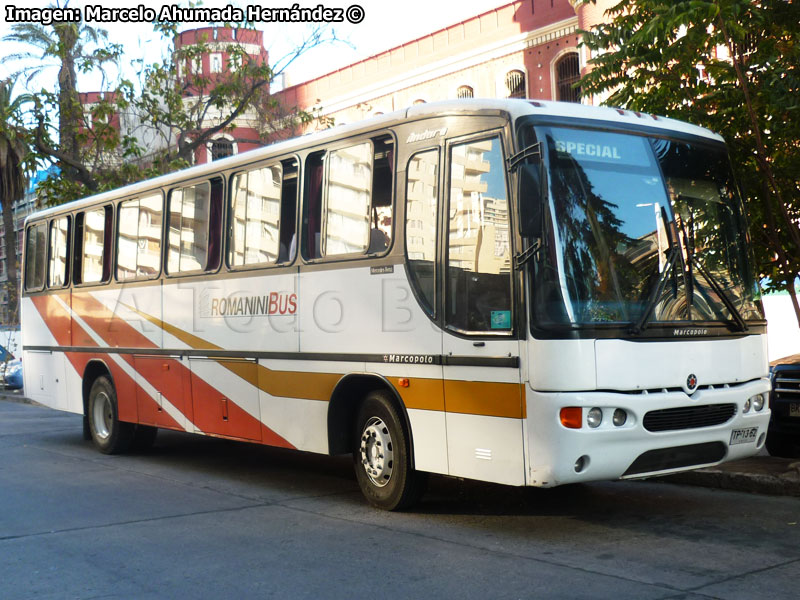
521,292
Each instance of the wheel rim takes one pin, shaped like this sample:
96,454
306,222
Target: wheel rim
377,456
103,417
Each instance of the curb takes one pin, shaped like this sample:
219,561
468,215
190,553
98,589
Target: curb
768,475
9,396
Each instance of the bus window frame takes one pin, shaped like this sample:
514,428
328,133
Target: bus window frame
326,150
222,177
228,221
24,281
69,251
83,211
116,222
500,134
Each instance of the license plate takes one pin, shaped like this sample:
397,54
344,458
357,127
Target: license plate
794,409
744,436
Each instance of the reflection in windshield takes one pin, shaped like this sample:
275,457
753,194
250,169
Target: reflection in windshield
617,218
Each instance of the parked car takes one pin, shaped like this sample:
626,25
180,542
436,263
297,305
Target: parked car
783,438
11,374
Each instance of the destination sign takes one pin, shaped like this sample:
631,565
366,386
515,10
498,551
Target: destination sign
598,146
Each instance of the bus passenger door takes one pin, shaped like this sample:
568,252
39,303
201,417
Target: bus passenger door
483,395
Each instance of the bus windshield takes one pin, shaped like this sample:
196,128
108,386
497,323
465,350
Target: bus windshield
640,231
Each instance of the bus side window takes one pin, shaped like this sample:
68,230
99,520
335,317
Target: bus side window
93,261
422,195
255,217
195,219
35,257
347,189
139,238
380,236
478,287
288,222
312,205
58,272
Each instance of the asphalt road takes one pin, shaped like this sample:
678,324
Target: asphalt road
204,518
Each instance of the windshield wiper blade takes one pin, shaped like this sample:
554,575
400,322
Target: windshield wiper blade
655,295
712,281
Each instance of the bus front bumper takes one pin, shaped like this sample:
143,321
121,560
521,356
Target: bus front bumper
663,432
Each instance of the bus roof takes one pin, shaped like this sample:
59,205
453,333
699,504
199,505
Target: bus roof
514,108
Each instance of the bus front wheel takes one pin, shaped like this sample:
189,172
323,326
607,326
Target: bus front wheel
382,455
109,434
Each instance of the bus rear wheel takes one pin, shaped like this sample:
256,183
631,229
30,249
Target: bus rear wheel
382,455
109,434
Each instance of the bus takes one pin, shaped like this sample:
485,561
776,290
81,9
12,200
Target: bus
522,292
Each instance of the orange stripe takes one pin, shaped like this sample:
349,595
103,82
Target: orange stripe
485,398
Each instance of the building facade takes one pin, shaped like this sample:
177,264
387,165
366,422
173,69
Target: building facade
524,49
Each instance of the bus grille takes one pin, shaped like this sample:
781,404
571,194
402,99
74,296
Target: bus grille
680,457
688,417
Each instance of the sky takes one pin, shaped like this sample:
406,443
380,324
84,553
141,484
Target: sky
385,25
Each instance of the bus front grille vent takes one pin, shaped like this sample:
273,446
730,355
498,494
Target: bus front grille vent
679,457
689,417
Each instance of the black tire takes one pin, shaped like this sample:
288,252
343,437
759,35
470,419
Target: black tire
382,455
109,434
780,445
144,437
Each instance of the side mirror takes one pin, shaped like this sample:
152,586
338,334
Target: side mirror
530,197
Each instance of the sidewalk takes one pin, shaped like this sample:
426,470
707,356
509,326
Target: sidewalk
760,474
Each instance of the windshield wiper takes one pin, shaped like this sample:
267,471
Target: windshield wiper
655,295
712,281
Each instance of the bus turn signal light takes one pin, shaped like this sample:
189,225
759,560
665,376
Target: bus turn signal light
572,417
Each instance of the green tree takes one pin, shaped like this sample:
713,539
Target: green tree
732,66
13,181
154,123
71,48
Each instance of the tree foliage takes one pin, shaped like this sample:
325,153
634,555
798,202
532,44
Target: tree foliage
14,165
732,66
151,123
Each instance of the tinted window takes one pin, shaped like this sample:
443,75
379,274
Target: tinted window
95,263
348,200
256,217
194,228
59,252
35,257
139,242
478,253
421,216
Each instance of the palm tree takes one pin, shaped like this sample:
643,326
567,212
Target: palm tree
13,182
66,46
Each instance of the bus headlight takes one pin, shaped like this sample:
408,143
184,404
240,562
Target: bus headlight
619,418
758,401
747,404
594,417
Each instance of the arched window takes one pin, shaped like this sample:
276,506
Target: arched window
568,72
465,91
515,84
221,149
